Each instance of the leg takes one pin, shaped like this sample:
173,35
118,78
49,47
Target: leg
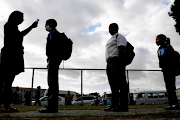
53,85
39,102
113,85
7,90
123,90
35,102
170,80
1,87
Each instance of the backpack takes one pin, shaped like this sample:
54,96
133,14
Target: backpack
128,53
177,58
67,46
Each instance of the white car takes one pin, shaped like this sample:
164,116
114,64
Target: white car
44,101
86,100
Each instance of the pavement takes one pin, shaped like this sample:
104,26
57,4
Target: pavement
99,113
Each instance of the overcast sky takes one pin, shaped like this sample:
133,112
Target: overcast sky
86,23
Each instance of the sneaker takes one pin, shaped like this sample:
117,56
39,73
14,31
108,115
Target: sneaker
173,107
9,110
118,109
47,110
108,109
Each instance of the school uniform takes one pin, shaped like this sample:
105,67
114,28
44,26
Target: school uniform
116,72
168,64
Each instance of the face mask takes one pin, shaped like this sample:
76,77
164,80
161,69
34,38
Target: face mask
159,42
48,28
112,32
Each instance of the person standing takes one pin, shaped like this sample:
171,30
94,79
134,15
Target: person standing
12,61
116,70
37,96
54,52
105,98
168,64
18,96
68,98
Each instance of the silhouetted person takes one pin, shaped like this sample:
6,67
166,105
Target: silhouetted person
116,69
12,61
68,98
27,97
54,51
97,101
169,64
105,98
37,96
17,96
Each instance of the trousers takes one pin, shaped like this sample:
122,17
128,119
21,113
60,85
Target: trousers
170,83
6,80
53,90
118,84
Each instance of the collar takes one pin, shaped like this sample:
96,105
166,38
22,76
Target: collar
51,31
115,34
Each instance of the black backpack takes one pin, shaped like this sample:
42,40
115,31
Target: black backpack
177,58
128,53
67,46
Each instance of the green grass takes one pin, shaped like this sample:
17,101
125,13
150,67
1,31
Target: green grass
23,108
166,114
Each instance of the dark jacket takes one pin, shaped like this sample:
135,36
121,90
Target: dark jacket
12,59
168,60
54,46
37,96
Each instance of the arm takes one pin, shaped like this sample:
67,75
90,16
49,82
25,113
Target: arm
26,31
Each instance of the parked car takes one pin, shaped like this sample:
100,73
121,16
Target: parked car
86,100
44,101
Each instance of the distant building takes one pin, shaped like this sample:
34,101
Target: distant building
24,90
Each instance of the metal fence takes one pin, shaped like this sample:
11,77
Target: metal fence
83,76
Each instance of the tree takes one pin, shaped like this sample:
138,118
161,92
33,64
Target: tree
174,13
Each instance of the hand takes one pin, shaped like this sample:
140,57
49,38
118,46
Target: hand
35,24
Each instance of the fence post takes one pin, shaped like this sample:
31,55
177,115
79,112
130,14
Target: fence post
32,87
128,86
81,86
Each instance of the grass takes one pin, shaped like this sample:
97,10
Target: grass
166,114
23,108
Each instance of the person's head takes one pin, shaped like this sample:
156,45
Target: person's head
113,28
16,17
161,39
38,87
17,88
50,24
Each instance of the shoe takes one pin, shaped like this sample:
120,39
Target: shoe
118,109
47,110
108,109
176,107
8,110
